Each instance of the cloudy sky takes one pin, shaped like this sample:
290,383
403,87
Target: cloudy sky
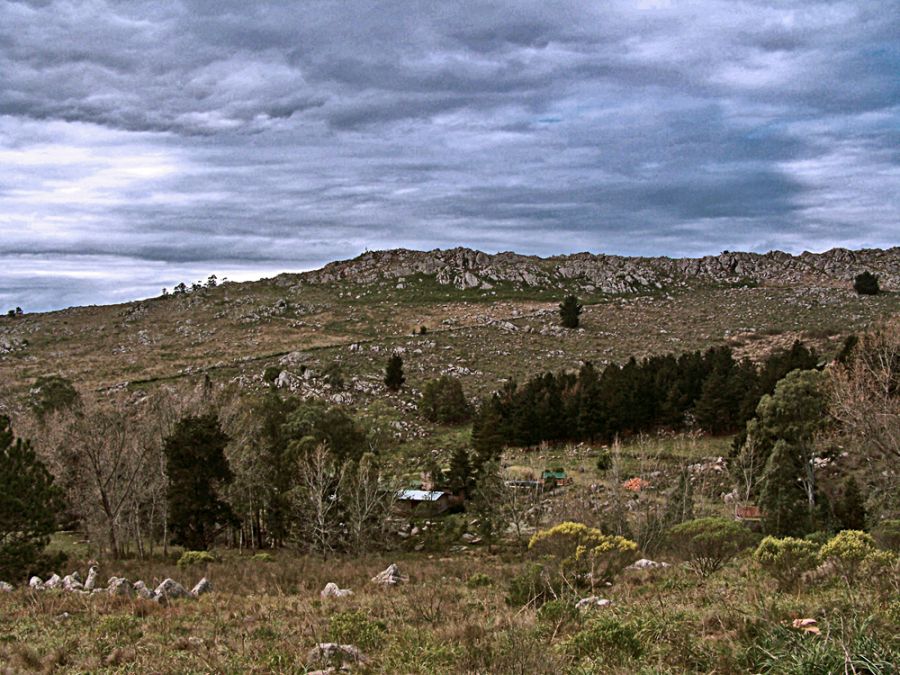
146,143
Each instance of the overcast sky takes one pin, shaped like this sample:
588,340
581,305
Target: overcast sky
146,143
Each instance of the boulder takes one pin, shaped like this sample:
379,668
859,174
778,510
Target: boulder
170,589
332,590
202,586
36,583
119,586
53,582
72,582
645,564
5,587
91,582
141,590
592,602
328,653
390,576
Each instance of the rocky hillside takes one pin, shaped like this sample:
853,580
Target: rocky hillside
466,268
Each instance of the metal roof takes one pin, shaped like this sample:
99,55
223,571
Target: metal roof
420,495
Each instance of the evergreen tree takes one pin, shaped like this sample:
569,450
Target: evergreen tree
850,509
570,312
443,401
782,498
866,284
488,437
313,423
29,503
51,393
197,470
460,478
393,373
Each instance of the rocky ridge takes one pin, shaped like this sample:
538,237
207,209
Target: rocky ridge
466,268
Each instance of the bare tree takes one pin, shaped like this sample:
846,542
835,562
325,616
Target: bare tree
368,498
317,500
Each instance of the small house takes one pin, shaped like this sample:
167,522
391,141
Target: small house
555,478
425,502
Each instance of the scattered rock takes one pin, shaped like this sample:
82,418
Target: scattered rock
72,582
36,583
806,625
5,587
53,582
390,576
332,590
592,602
119,586
170,589
334,653
91,583
141,590
203,586
645,564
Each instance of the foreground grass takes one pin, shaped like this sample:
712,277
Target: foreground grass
452,617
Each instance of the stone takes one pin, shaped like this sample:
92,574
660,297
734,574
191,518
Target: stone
119,586
390,576
36,583
332,652
5,587
170,589
332,590
592,602
72,582
53,582
203,586
141,590
91,582
645,564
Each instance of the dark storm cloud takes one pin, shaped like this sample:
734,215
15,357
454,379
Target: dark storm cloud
169,140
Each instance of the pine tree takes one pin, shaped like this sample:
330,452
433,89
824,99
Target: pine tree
460,477
569,312
850,509
782,498
197,470
393,373
29,503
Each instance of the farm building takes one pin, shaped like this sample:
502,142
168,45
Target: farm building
555,477
424,501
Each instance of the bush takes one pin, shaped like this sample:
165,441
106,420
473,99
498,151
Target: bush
604,460
558,612
846,551
262,556
607,638
881,569
585,551
534,586
271,373
866,284
708,543
189,558
887,535
355,628
479,580
786,559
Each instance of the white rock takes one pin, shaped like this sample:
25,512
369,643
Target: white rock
5,587
203,586
140,588
332,590
53,582
645,564
330,652
91,583
72,582
390,576
119,586
170,589
36,583
592,602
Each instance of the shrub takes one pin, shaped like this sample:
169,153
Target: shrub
569,312
189,558
558,612
271,373
604,460
262,556
534,586
355,628
881,569
708,543
607,638
585,550
786,559
846,551
866,284
479,580
887,535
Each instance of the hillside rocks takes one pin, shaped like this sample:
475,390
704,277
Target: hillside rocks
465,268
390,576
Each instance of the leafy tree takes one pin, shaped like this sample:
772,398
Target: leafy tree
866,284
444,402
197,470
313,423
708,543
52,393
393,373
570,312
29,502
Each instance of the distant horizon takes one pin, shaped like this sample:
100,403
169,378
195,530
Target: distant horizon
272,272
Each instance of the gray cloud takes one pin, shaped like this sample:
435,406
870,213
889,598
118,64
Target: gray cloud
194,137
